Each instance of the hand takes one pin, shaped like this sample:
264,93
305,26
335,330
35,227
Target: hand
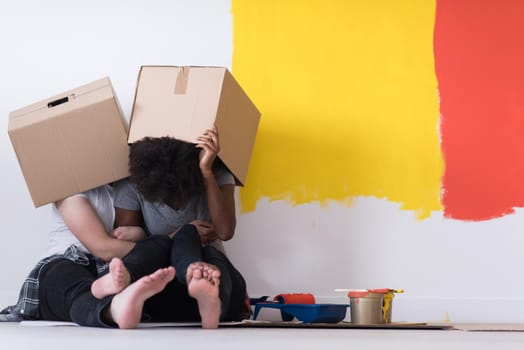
209,144
129,233
206,231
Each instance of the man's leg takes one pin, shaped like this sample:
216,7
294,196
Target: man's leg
126,307
113,282
64,290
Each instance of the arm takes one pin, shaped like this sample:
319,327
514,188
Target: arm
83,221
126,217
128,211
221,200
129,233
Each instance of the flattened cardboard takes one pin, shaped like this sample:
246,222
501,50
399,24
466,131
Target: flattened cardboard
265,324
71,142
183,102
489,327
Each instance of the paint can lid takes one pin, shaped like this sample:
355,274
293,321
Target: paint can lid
362,293
379,290
358,293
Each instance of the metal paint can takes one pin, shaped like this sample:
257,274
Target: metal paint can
366,307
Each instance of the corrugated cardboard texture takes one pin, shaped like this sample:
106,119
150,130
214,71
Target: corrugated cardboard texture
183,102
71,147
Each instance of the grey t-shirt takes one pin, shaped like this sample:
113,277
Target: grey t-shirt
161,219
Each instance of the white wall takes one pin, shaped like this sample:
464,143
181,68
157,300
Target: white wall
450,269
52,46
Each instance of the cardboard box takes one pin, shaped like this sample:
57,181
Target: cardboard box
183,102
71,142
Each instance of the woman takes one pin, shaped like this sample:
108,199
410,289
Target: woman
181,190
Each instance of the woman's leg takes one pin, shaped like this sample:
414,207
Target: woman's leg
202,279
147,256
186,249
173,304
232,286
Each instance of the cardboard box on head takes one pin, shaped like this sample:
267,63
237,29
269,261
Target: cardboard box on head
183,102
71,142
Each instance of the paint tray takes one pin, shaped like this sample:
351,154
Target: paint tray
307,313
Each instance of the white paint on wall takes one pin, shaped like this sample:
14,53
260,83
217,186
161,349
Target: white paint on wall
467,271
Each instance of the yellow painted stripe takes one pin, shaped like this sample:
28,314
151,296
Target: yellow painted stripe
349,100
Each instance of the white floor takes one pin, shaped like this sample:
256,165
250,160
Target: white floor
15,336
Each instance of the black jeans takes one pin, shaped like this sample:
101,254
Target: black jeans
65,294
174,303
65,287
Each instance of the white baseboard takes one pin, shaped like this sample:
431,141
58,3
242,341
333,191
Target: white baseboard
447,309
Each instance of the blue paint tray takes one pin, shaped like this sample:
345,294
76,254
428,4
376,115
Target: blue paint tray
307,313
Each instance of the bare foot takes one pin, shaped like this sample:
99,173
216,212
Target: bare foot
202,284
114,282
126,307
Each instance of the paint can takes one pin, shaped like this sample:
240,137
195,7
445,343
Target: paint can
366,307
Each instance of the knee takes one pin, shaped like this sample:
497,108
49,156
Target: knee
187,230
156,240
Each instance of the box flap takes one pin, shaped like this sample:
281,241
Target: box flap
237,122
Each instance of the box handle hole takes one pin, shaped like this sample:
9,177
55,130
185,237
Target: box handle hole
59,101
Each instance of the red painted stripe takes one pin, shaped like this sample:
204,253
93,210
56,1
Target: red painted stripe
479,61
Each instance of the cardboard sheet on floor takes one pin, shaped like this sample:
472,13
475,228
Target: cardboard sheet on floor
349,325
490,327
266,324
72,324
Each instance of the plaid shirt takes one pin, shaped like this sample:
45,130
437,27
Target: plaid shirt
28,305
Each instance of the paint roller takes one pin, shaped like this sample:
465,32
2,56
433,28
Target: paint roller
293,298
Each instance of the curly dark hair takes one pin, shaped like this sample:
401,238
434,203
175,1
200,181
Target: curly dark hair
166,170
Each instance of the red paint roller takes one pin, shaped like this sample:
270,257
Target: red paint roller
295,298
